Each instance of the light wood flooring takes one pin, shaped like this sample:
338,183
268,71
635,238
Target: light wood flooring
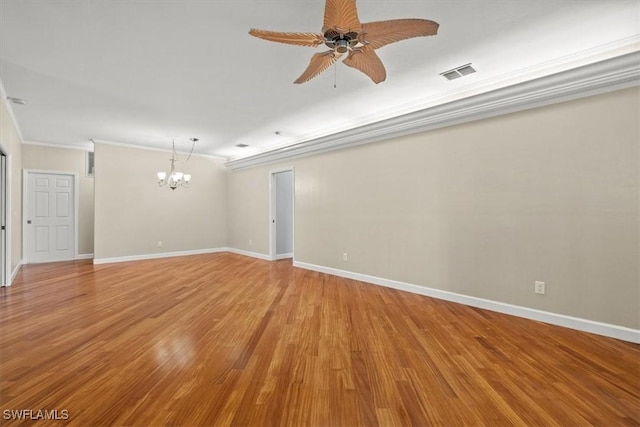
223,339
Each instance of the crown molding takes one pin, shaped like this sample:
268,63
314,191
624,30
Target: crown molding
86,147
162,150
461,90
587,80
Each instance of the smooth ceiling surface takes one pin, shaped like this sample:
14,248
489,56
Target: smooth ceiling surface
144,72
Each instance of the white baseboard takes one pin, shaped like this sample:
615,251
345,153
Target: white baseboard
157,256
15,272
85,256
251,254
284,256
605,329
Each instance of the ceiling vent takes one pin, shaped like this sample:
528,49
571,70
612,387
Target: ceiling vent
242,145
458,72
18,101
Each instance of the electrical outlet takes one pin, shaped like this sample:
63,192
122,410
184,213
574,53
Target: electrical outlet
250,242
344,257
159,243
539,288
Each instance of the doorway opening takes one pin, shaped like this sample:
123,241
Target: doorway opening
282,213
50,216
5,259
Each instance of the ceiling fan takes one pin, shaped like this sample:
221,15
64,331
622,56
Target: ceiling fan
342,32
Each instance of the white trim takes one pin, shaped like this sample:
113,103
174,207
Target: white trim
76,214
87,147
8,278
142,147
249,254
600,77
584,57
76,208
9,219
84,256
15,272
143,257
606,329
284,256
8,194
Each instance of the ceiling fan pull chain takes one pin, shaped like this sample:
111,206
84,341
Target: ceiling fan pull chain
335,75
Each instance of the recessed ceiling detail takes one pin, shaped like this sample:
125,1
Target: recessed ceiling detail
181,84
612,74
461,71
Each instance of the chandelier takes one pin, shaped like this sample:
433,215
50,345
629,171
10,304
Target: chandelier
175,179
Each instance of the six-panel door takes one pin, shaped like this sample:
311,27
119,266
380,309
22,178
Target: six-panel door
50,224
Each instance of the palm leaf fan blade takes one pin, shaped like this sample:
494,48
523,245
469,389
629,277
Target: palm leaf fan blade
299,39
341,15
319,63
381,33
366,61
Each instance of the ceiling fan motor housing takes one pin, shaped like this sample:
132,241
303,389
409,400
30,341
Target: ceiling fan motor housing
343,33
340,42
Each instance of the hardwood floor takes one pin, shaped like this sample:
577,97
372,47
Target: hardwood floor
222,339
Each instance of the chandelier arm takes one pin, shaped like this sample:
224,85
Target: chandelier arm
175,179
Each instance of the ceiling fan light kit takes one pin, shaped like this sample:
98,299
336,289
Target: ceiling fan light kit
343,33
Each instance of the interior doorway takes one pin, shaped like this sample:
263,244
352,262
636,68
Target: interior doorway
282,213
51,216
5,278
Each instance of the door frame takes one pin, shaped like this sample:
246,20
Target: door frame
5,193
272,211
25,200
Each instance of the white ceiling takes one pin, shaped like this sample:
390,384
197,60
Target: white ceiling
142,72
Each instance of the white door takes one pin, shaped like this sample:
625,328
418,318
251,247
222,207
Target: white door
50,217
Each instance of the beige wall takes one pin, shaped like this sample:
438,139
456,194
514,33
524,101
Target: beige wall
67,160
132,213
248,210
11,142
482,209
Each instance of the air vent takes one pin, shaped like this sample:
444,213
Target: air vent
458,72
15,100
242,145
